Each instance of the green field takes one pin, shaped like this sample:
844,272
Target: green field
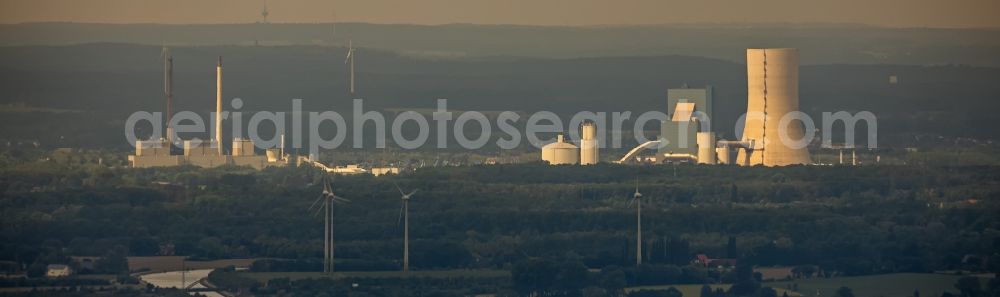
264,276
887,285
695,290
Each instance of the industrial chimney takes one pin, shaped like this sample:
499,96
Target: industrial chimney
168,89
218,105
588,144
772,92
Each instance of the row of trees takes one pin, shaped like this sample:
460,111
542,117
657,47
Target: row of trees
848,220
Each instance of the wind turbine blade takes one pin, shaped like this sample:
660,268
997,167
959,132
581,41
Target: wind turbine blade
327,189
411,193
350,50
398,188
319,209
630,202
340,199
315,201
399,220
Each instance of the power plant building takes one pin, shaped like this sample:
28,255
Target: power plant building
153,153
772,95
681,129
202,153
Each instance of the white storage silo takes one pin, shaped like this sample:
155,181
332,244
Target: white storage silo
588,144
706,147
560,152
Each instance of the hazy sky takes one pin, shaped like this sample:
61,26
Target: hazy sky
896,13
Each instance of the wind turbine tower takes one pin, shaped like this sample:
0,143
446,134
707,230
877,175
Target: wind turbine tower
404,215
328,198
350,61
637,199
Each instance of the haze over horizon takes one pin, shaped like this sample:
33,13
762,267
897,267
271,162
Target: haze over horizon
888,13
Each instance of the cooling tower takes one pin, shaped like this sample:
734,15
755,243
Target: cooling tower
772,92
588,145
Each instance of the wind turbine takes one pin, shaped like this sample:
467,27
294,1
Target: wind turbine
350,60
264,13
637,199
329,198
404,215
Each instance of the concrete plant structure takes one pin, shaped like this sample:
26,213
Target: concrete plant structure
560,152
588,144
772,92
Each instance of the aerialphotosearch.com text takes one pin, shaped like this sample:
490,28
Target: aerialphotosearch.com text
458,124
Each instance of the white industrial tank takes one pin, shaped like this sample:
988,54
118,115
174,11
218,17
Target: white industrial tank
560,152
706,148
723,155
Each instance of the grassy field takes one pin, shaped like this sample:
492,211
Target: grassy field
695,290
885,285
174,263
264,276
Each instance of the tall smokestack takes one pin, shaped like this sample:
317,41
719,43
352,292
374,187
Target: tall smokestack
168,77
168,89
218,105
